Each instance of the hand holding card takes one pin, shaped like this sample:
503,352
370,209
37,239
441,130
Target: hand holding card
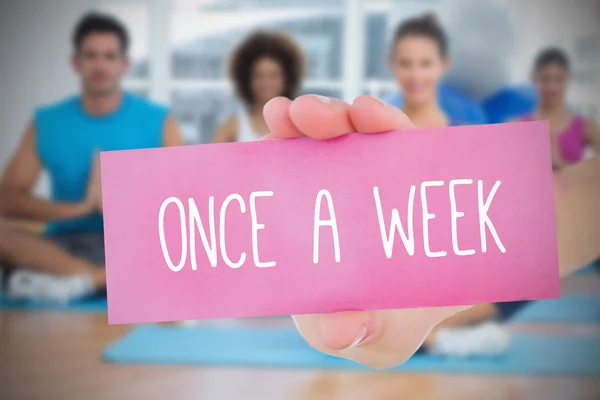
382,338
473,221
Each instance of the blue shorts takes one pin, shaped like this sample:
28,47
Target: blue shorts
86,245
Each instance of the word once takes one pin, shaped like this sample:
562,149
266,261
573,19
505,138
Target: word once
195,223
210,248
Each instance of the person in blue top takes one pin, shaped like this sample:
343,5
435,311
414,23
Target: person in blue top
67,261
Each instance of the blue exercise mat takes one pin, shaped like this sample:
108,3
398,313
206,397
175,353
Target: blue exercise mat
568,309
94,304
284,348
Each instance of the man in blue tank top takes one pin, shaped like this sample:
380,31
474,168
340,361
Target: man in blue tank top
68,260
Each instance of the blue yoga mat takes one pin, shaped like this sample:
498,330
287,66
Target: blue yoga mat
153,344
568,309
95,304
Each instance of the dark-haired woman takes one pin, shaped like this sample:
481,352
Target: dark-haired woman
419,60
264,66
570,133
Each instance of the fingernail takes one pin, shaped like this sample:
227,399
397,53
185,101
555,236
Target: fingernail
324,100
383,103
362,336
378,100
268,104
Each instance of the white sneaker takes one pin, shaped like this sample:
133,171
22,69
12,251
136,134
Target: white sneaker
23,284
220,323
485,340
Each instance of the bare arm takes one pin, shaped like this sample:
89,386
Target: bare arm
171,135
17,181
227,131
577,201
592,135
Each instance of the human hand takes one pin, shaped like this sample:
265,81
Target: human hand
93,198
379,339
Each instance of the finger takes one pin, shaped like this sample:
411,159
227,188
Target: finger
379,339
277,117
321,117
371,115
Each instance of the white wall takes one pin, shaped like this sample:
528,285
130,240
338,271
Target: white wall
34,68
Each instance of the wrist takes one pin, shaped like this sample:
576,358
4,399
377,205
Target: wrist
84,207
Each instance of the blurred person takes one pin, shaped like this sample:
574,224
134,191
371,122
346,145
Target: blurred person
67,261
263,66
419,60
385,338
570,133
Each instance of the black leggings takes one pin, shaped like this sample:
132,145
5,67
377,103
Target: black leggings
507,309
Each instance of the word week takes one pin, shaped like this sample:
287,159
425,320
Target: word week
191,223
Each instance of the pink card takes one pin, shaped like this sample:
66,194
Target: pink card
419,218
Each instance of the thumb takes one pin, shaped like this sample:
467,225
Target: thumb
379,339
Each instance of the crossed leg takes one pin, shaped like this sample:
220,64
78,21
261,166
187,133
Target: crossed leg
25,249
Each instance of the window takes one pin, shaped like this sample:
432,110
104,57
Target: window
180,49
134,14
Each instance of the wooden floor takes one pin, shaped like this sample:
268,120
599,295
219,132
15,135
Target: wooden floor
56,356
